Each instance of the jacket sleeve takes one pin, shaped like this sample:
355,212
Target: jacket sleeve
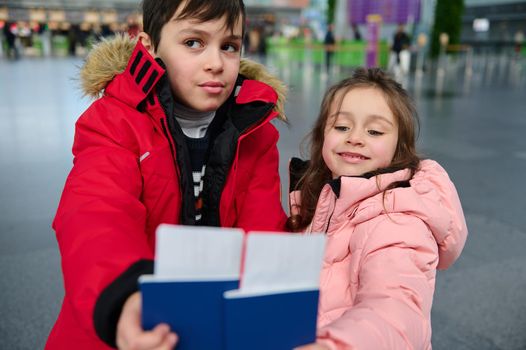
259,207
432,183
100,222
392,307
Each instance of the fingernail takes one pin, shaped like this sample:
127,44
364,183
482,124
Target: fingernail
164,328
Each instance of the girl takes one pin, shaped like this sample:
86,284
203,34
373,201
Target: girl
391,219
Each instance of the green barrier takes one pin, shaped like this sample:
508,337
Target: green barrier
383,54
316,51
59,45
274,44
347,53
296,49
350,54
38,45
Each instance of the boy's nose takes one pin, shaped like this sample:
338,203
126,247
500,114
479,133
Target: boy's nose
214,61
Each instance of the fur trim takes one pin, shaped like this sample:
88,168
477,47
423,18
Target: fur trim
110,57
106,59
257,71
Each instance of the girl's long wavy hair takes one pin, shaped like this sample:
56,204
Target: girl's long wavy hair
318,174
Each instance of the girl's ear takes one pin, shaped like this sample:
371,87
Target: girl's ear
147,42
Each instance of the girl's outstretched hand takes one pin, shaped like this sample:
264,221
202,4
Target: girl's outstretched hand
313,346
131,336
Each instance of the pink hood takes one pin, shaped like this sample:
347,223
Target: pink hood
432,197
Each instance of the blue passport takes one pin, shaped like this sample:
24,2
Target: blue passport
280,321
221,289
194,310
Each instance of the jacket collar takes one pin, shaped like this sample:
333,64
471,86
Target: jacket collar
431,197
138,79
345,197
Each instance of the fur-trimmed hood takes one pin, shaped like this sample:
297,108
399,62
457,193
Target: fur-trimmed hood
110,57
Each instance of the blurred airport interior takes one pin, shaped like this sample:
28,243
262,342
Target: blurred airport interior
470,95
57,28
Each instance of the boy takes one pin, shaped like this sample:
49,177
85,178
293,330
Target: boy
177,137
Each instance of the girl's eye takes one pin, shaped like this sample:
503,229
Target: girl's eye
341,128
375,132
230,48
193,44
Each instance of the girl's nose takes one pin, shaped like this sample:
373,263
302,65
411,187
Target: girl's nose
355,137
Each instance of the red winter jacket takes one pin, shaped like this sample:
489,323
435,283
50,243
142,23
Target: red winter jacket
126,180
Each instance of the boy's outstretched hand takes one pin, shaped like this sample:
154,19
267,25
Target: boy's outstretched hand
130,334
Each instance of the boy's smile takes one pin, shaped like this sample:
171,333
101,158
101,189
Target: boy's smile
361,136
201,58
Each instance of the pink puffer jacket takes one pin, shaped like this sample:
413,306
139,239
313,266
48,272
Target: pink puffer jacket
378,275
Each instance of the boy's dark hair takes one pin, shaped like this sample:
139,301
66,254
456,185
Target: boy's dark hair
156,13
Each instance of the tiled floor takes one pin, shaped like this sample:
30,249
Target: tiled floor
475,127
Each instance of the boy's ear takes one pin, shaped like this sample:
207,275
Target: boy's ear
147,42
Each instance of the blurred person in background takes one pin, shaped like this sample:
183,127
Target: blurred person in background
73,38
518,38
399,59
356,32
329,43
10,39
133,30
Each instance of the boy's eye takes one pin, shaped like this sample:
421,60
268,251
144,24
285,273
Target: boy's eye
341,128
193,44
375,132
230,48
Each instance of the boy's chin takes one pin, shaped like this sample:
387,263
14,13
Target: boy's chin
201,107
209,108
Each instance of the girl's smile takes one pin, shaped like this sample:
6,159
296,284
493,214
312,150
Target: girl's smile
353,158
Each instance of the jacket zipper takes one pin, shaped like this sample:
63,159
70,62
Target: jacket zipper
328,223
330,217
171,142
